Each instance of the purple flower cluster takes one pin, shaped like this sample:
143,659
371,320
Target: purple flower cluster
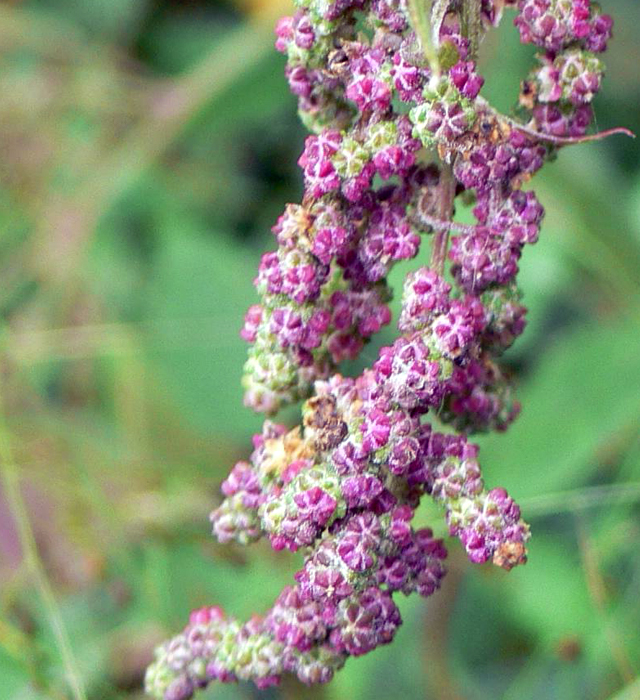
344,488
324,291
570,32
396,138
556,24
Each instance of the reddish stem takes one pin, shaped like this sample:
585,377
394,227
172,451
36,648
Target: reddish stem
560,140
447,189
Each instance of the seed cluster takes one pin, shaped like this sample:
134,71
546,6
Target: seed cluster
395,139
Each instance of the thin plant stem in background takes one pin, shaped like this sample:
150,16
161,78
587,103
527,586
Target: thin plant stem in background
13,496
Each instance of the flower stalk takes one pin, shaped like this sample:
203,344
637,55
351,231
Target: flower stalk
440,245
390,94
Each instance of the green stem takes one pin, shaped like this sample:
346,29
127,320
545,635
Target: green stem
11,485
420,12
598,593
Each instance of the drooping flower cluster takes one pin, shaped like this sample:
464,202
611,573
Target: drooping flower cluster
396,138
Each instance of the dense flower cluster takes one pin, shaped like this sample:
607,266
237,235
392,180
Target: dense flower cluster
396,138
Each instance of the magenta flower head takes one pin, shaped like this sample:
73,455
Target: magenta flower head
399,129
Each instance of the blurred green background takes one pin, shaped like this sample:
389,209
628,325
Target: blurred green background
147,146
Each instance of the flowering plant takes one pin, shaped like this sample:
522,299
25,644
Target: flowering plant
391,93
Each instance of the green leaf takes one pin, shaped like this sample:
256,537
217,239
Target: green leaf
118,20
15,677
201,290
581,393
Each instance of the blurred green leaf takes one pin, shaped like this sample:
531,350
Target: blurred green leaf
121,21
15,676
582,391
203,285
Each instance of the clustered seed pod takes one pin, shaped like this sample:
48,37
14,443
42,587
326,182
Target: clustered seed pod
395,139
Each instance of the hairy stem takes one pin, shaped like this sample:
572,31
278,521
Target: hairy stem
420,12
440,225
472,25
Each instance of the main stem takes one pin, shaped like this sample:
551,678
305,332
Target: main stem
471,28
447,192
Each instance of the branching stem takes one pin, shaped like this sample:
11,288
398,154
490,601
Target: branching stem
566,140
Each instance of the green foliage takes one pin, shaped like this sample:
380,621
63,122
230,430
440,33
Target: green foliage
581,399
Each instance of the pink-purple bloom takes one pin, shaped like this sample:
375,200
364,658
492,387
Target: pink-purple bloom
343,487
